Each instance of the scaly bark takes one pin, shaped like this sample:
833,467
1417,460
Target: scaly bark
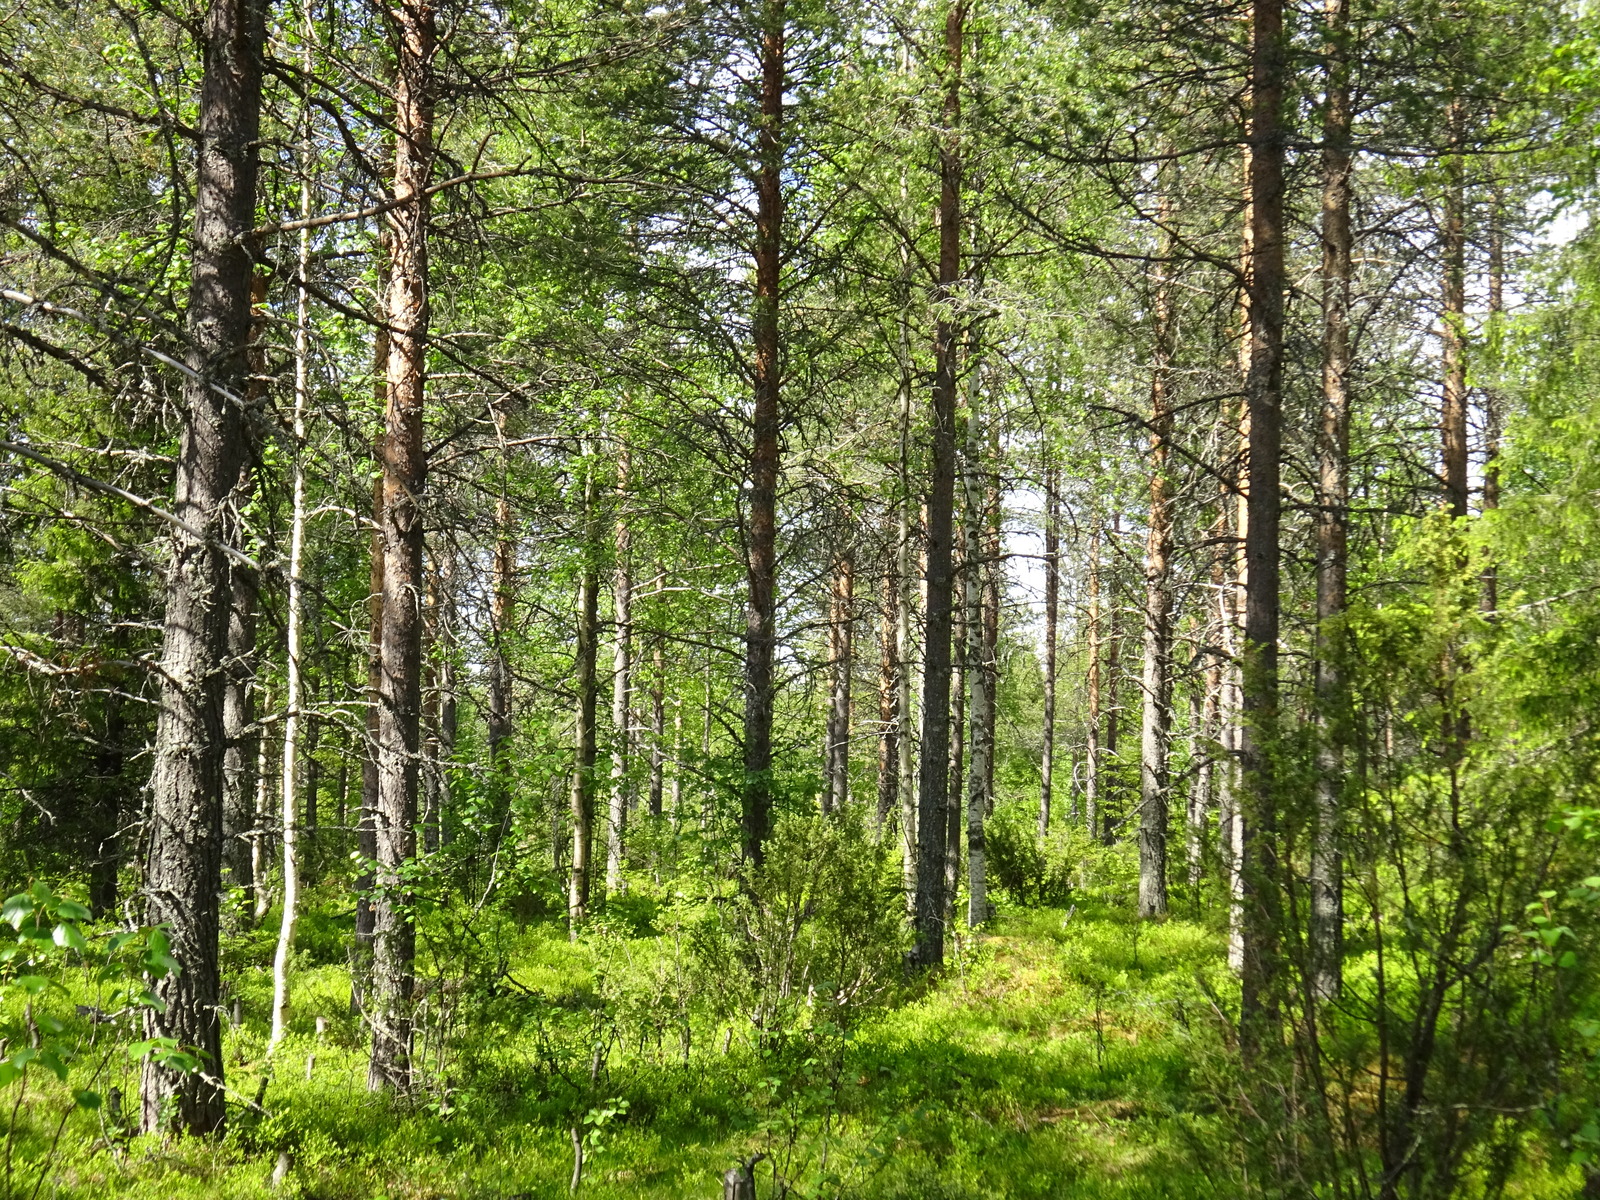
404,477
933,781
761,513
183,875
1263,397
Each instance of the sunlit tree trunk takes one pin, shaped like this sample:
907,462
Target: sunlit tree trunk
658,725
934,768
501,614
238,717
980,697
1052,620
1263,396
621,680
1453,316
841,665
583,730
183,874
761,513
1091,754
404,476
888,678
1156,692
1493,414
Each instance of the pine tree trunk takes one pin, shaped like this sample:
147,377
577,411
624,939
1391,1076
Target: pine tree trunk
183,875
238,715
761,514
1156,693
1052,621
1263,397
841,665
621,681
1111,714
584,739
1493,415
933,774
958,740
404,476
1326,882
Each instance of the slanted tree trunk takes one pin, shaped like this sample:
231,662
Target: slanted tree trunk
583,733
404,476
183,875
761,514
933,774
1156,694
1091,753
1052,621
621,680
1263,398
841,665
1333,458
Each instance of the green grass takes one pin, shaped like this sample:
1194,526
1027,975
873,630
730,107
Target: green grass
1055,1058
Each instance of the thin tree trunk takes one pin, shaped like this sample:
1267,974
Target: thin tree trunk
260,825
1052,621
500,618
1156,694
183,874
584,747
958,741
238,717
1091,754
841,665
933,775
888,677
762,510
658,725
621,680
1493,416
1112,712
979,702
905,618
295,623
1263,396
438,832
1453,411
993,570
1326,882
404,476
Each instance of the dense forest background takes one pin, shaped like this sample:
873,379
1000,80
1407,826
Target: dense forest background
900,600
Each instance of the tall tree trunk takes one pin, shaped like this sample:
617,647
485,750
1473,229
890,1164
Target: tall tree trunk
1263,397
1052,621
993,572
1156,694
762,504
888,678
621,680
1327,900
933,774
1091,753
841,665
404,476
184,872
260,821
905,619
1453,315
1112,711
979,702
584,740
958,739
294,636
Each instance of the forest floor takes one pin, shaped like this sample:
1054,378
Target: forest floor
1063,1054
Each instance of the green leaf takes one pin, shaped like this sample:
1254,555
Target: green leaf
34,985
16,909
66,936
8,1073
86,1099
71,910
